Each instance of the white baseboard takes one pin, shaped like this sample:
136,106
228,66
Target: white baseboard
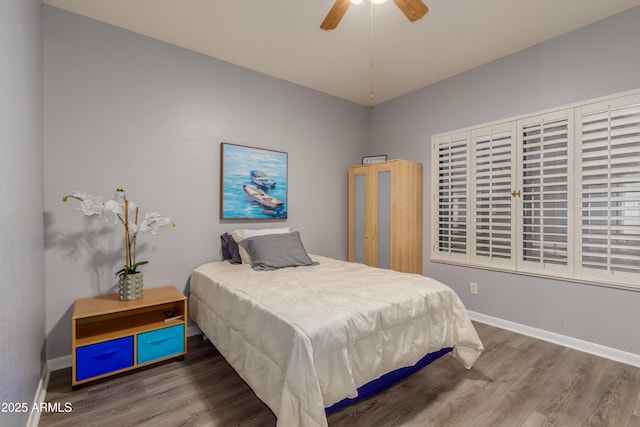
193,330
60,362
66,361
40,396
563,340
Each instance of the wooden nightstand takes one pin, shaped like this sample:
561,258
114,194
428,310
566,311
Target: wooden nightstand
110,336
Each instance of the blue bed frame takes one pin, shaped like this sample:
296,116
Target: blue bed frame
387,380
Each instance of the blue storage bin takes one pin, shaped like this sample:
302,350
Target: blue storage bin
103,358
160,344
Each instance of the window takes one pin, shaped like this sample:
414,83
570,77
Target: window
491,202
610,190
556,194
452,160
545,177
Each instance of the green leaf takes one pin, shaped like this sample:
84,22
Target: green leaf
131,270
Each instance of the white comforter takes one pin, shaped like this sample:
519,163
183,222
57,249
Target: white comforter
305,338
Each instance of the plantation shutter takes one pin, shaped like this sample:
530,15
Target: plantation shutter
492,207
451,156
545,180
555,194
610,190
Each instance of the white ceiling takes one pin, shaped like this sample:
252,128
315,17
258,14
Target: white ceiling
282,38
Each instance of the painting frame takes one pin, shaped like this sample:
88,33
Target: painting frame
369,160
253,183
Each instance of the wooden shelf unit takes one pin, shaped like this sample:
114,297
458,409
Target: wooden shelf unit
100,320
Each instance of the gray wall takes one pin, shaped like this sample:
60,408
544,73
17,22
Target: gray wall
594,61
122,110
22,336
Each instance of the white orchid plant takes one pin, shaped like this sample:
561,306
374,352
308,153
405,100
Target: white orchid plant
121,210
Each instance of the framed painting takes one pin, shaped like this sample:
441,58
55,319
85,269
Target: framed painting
253,183
369,160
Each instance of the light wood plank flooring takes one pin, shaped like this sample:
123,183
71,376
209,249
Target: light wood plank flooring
518,381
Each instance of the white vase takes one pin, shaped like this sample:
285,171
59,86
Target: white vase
130,286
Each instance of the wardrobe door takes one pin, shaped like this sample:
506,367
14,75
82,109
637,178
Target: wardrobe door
359,201
359,215
383,227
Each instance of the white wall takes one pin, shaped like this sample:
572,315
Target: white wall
594,61
22,336
122,110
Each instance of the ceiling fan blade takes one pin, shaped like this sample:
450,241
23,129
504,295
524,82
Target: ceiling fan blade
414,9
335,15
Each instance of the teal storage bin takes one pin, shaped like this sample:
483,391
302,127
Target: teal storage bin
103,358
159,344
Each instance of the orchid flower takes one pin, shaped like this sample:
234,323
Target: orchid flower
121,210
91,206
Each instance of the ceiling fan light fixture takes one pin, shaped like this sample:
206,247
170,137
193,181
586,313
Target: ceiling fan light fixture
413,10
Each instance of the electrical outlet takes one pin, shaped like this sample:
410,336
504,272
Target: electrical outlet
473,288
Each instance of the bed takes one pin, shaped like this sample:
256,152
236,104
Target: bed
306,338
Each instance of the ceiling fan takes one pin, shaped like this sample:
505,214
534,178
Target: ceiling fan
413,9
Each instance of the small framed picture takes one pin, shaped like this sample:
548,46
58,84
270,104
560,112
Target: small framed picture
368,160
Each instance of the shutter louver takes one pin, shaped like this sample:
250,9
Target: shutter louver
452,196
554,194
492,201
610,190
545,192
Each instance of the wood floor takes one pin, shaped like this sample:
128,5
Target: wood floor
518,381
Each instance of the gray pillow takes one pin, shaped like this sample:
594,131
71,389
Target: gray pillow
273,251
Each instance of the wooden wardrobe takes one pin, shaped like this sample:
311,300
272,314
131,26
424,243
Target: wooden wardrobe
385,215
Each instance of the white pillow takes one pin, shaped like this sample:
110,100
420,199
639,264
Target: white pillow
241,234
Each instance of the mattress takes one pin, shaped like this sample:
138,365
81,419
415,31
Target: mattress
304,338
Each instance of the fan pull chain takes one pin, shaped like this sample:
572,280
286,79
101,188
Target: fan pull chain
372,98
